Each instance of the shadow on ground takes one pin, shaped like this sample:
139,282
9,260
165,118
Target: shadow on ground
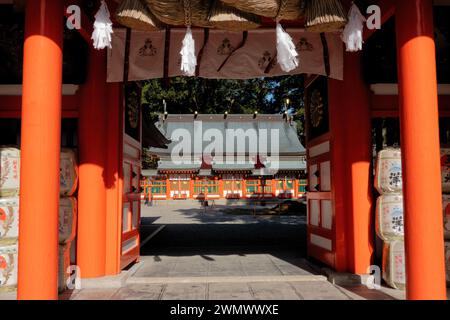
238,244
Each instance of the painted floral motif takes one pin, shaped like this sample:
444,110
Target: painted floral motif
6,221
6,269
399,263
3,263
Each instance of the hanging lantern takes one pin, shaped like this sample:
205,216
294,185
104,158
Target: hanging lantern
325,16
135,14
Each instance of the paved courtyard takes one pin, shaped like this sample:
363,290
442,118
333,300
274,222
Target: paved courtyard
220,253
224,252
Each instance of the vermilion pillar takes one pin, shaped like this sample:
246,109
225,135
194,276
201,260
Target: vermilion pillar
91,241
424,244
358,157
41,134
351,157
113,180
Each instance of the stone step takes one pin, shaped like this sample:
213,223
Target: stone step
227,279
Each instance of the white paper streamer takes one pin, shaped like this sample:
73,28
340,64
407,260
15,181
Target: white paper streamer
286,52
188,58
353,32
102,28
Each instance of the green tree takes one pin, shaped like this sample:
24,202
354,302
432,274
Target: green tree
187,95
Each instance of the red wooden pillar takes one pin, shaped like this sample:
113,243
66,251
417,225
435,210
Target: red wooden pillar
91,243
168,191
358,157
274,184
220,181
424,245
114,180
41,134
351,158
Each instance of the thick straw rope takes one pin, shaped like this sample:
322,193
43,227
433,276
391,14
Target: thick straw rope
281,8
325,16
187,12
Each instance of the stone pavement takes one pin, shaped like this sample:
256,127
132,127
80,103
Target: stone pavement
188,274
189,225
286,290
213,255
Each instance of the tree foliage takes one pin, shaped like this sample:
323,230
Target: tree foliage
210,96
